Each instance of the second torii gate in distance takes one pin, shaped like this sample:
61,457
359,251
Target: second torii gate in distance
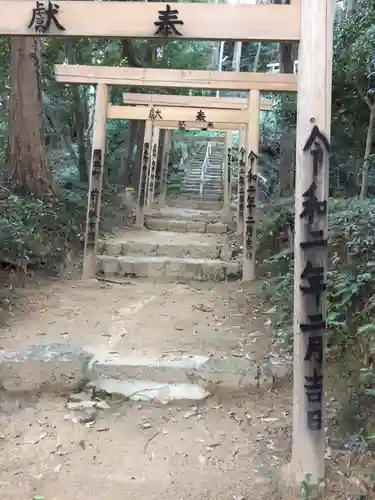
253,83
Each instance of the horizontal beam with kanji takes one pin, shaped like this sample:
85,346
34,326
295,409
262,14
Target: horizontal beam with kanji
157,114
192,101
142,20
196,126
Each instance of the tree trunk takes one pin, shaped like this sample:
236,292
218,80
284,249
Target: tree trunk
27,156
79,121
286,150
128,167
366,159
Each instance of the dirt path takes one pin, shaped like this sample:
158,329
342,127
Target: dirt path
221,450
139,317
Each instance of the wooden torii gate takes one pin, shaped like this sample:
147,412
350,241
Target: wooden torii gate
205,118
202,102
253,83
154,117
305,21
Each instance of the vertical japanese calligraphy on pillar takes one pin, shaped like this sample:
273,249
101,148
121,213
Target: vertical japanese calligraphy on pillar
252,183
152,173
241,183
313,285
96,173
229,167
143,183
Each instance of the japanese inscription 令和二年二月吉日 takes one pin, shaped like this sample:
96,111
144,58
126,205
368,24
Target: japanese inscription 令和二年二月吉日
43,14
142,187
168,20
229,167
252,182
96,173
241,183
153,167
314,211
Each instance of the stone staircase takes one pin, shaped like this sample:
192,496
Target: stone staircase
212,186
177,245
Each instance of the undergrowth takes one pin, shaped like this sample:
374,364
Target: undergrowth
40,233
351,284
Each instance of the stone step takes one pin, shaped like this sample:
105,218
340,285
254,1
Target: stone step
185,214
185,226
207,175
205,194
168,268
169,377
193,203
175,245
151,392
209,185
216,193
206,182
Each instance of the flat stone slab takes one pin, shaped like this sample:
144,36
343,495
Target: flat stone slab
149,391
188,214
168,268
213,374
163,243
185,226
186,201
52,367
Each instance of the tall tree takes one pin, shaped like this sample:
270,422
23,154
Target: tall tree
27,156
286,59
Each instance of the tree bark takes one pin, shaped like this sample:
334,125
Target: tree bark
366,159
128,167
287,55
27,155
129,52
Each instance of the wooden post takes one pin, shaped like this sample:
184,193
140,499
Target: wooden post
164,168
227,173
310,240
148,176
95,181
146,156
242,156
153,166
250,212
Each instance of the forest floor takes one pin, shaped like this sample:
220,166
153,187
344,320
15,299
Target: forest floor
222,449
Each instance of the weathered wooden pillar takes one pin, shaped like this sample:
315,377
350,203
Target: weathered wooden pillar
242,157
251,185
164,168
148,176
146,156
310,240
153,166
227,173
95,181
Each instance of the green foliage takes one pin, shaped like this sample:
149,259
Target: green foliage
351,276
38,231
42,232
